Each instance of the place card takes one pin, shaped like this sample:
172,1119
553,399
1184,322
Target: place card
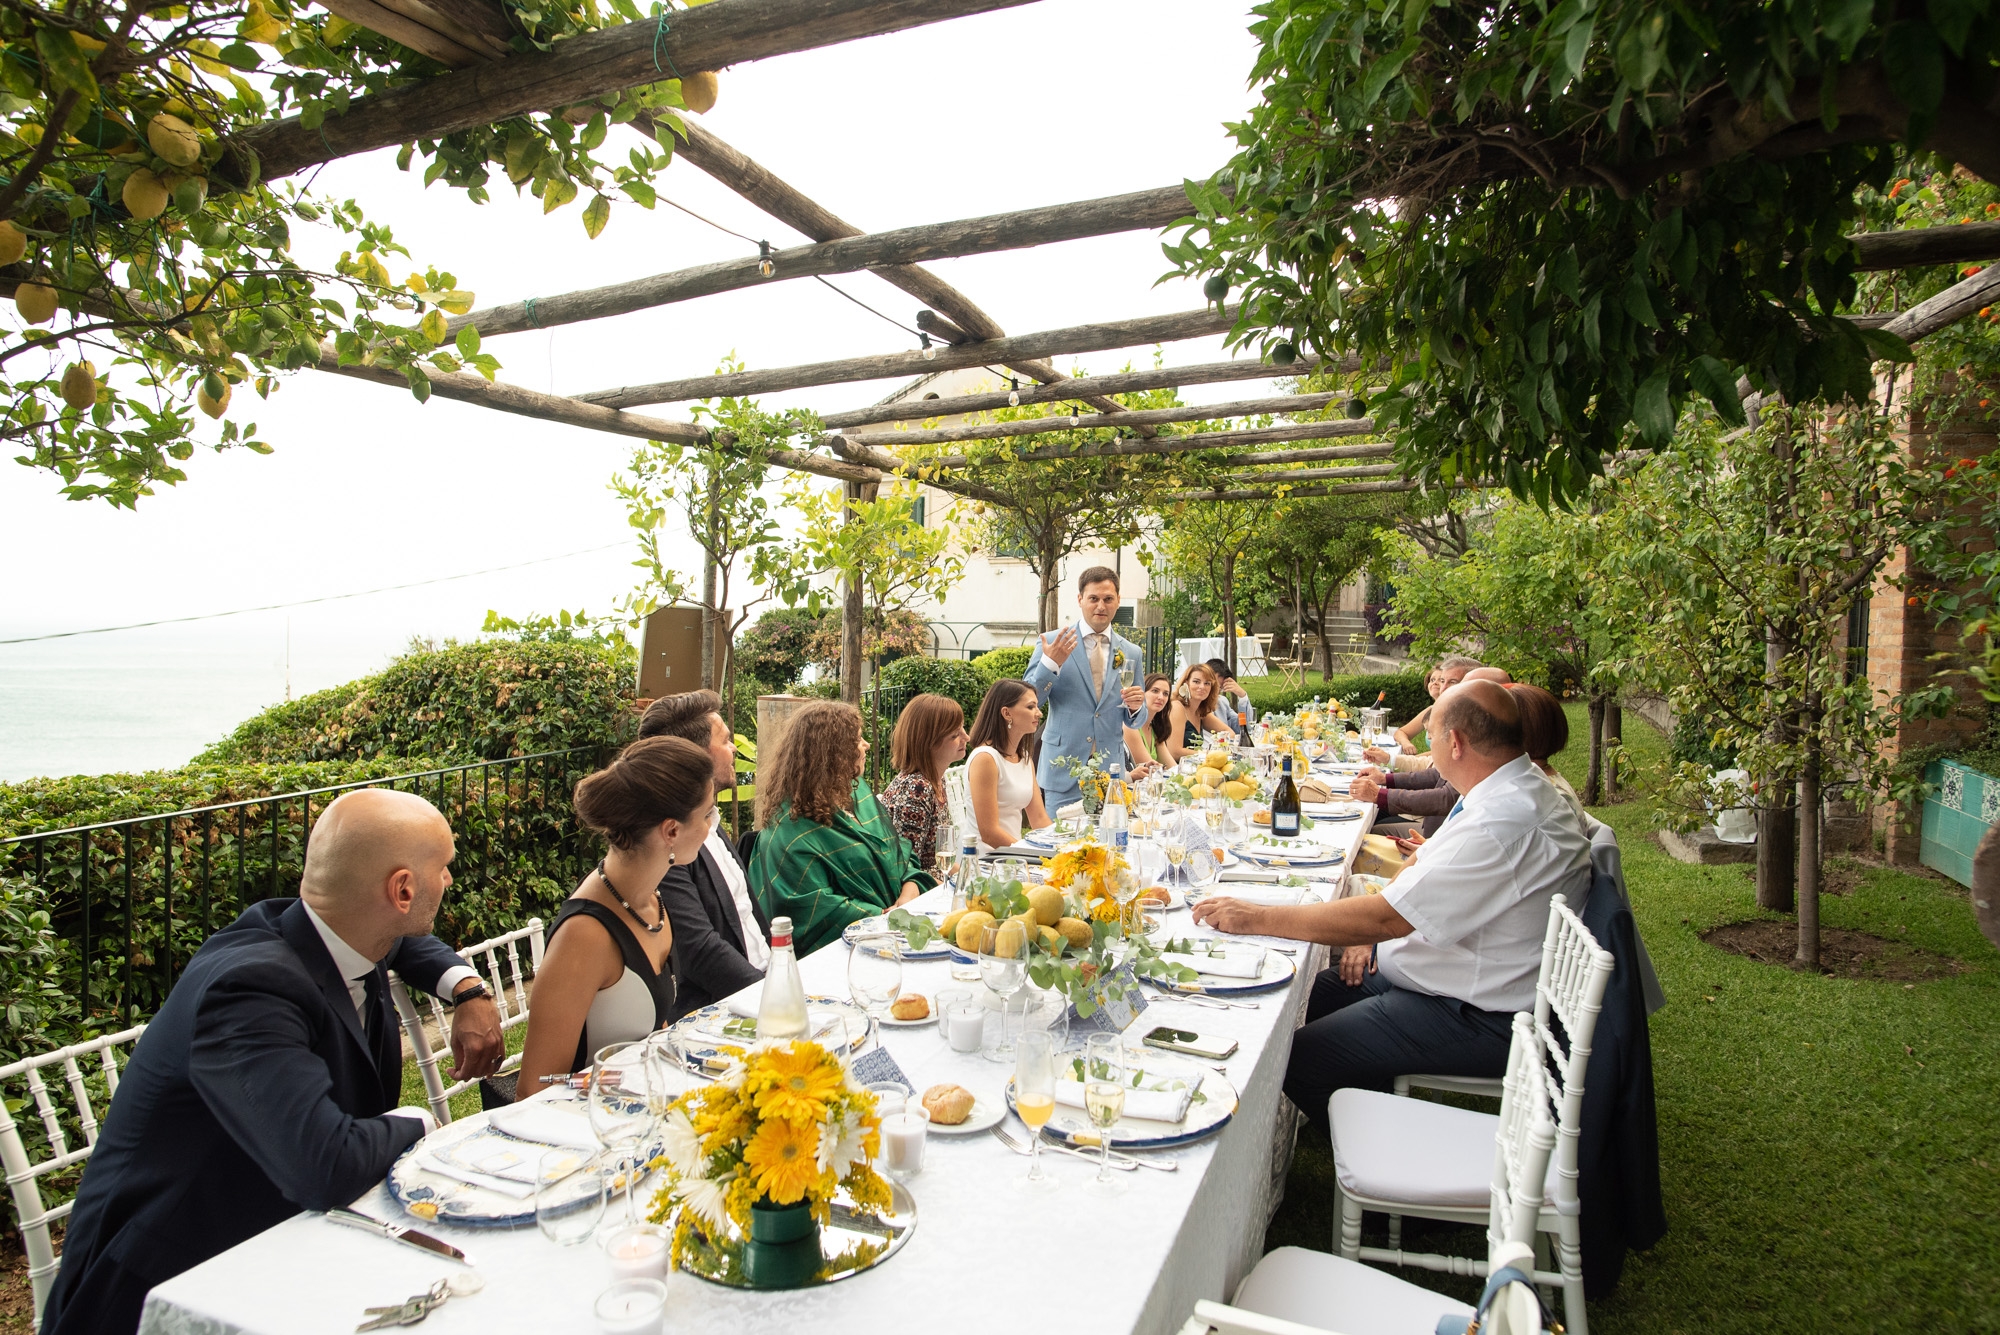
1115,1015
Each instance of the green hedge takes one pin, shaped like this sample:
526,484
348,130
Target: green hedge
1406,694
953,678
482,701
1010,662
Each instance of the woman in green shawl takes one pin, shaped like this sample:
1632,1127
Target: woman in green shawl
826,854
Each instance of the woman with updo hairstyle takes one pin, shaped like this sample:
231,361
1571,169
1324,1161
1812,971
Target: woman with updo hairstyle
605,976
826,854
1545,731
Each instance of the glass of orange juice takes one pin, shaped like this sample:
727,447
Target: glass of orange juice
1035,1098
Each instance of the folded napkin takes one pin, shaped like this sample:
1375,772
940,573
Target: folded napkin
519,1191
545,1125
1331,810
744,1007
1225,961
1152,1099
1314,789
1254,893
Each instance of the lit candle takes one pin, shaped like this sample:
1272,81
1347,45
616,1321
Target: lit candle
965,1025
632,1307
638,1252
903,1137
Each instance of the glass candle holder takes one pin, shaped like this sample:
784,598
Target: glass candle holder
903,1137
638,1252
632,1307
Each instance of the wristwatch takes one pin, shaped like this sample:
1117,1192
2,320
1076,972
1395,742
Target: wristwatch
473,993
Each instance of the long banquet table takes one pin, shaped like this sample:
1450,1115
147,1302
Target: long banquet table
984,1256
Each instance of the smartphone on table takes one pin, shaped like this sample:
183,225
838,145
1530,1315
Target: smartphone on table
1170,1039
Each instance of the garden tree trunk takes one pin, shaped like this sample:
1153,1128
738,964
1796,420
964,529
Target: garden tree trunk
1808,956
1593,781
1614,737
1986,883
1229,611
851,614
708,603
1046,561
729,717
1777,832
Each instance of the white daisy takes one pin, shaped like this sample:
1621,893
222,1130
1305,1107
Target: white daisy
680,1143
705,1199
841,1152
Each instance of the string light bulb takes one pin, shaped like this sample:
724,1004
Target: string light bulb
765,266
1013,392
930,353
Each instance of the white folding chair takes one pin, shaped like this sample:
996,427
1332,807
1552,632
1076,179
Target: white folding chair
1413,1157
1294,1291
23,1173
958,799
486,958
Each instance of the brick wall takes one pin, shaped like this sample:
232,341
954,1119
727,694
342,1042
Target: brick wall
1902,639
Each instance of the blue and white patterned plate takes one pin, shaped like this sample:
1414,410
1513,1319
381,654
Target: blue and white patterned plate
701,1034
428,1194
1213,1107
937,949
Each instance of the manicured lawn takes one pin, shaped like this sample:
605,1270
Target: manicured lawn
1829,1149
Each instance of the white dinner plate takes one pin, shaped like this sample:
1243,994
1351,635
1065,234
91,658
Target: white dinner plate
1278,968
986,1113
427,1195
892,1022
1290,853
1214,1104
937,949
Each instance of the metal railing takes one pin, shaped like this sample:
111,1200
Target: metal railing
135,898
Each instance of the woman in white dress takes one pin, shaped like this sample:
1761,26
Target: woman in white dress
1000,771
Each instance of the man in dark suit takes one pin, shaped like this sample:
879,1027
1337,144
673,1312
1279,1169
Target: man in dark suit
721,935
268,1082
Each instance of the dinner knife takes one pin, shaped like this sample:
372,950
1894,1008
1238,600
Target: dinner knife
368,1223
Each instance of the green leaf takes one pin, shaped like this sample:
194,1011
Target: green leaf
432,326
559,191
595,215
1652,411
1383,70
1718,386
1593,338
1638,304
65,62
1576,47
468,341
239,55
1914,61
1953,20
1845,22
1887,347
1563,272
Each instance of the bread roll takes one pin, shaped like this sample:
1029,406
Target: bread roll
910,1007
948,1105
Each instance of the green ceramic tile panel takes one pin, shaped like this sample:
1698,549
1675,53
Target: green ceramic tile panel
1949,837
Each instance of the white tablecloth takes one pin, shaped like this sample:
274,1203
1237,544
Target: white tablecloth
1249,655
984,1257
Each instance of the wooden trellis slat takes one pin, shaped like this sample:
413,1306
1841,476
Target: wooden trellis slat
1035,426
1143,209
1205,440
730,32
1053,342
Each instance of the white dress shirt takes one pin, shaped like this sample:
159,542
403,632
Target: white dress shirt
755,948
1478,894
355,968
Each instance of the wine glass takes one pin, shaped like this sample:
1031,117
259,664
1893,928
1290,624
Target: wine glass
1173,843
621,1108
1104,1098
875,972
1035,1099
1003,967
569,1195
1203,867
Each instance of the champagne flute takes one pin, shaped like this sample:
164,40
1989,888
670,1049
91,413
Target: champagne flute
1003,967
1035,1099
621,1109
1104,1098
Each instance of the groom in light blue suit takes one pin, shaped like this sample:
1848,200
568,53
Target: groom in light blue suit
1075,675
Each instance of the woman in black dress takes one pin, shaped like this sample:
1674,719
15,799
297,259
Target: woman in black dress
605,978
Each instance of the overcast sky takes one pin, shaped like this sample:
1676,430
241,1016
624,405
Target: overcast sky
1029,106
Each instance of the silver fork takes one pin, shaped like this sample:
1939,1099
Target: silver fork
1124,1162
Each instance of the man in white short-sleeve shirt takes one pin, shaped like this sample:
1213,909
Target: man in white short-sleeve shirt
1467,919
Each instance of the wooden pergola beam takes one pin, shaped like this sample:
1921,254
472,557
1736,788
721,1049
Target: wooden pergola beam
729,32
465,387
1079,338
1959,243
1954,303
1201,440
1139,210
1063,391
1312,474
1302,493
1036,426
762,187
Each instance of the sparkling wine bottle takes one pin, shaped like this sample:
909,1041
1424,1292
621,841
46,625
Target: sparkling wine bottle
781,1012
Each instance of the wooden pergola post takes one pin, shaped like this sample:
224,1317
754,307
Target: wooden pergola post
853,610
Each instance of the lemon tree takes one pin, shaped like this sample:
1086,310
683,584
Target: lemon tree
153,271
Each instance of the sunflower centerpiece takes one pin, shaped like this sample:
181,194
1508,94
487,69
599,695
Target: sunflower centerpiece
755,1161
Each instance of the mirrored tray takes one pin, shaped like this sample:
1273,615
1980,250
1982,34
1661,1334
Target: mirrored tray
855,1241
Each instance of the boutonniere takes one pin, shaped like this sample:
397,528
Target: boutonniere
1118,658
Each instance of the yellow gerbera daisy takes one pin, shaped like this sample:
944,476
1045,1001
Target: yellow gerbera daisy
784,1158
793,1084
